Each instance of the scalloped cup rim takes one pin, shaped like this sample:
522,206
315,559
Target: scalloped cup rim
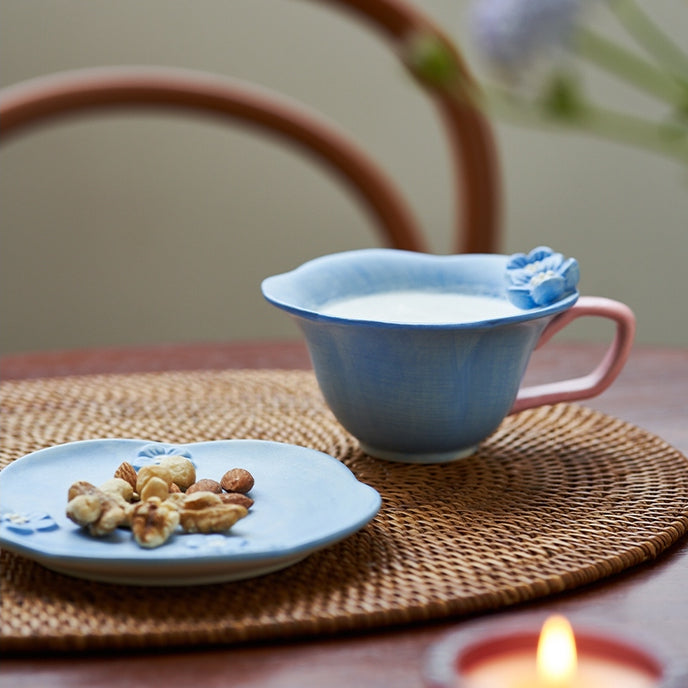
279,289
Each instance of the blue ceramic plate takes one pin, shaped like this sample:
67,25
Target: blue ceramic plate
304,500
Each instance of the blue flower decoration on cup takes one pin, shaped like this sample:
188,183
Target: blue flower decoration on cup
540,278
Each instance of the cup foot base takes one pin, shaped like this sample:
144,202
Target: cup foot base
427,458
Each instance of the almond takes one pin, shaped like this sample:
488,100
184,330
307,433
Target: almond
127,472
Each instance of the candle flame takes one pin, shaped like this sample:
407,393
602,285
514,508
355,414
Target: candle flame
556,654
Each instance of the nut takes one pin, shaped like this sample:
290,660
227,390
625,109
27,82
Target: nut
122,493
170,496
119,488
201,500
153,522
80,487
154,487
237,480
182,470
147,472
84,509
205,485
100,520
127,472
176,499
212,519
236,498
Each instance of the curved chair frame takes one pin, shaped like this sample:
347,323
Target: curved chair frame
469,134
476,169
38,99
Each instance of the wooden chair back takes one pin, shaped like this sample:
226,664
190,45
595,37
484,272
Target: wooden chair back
469,134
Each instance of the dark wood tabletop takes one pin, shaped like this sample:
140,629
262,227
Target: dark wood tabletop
650,599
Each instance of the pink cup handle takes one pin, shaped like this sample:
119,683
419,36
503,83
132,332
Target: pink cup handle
605,373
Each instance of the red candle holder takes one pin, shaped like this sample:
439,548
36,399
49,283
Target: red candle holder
454,660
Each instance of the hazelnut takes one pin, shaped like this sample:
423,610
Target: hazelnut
205,485
237,480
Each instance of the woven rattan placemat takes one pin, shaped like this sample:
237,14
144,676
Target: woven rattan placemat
556,498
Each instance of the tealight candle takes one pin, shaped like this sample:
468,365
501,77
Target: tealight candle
547,657
556,665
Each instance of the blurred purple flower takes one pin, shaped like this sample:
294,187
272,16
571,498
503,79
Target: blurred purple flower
509,33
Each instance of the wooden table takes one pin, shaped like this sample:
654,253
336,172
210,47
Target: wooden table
651,599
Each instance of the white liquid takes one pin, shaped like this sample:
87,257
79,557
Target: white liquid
421,308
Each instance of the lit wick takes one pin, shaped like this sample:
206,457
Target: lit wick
557,659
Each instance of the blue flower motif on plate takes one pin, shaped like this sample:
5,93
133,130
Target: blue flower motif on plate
541,277
214,543
26,524
151,454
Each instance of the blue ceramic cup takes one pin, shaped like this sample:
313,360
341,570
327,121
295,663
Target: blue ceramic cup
426,389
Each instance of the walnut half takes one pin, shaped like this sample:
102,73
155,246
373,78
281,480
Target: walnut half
94,509
213,518
153,522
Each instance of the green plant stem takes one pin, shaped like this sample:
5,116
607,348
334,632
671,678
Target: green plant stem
629,67
671,142
648,35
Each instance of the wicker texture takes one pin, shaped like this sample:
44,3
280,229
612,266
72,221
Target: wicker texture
558,497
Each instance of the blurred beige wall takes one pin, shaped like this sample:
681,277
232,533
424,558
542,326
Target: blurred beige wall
134,229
